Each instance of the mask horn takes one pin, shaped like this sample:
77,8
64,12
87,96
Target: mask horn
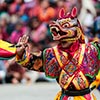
74,12
62,13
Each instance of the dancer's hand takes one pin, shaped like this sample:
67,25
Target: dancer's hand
22,44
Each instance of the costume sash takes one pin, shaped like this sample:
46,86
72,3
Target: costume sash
70,68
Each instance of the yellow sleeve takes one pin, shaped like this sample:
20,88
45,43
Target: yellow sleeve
24,60
97,80
30,61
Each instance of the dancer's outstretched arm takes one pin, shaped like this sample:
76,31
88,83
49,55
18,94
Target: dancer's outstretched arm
31,61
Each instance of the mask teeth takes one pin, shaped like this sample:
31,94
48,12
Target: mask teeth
58,34
57,29
54,37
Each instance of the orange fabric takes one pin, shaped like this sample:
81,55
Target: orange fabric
47,14
37,64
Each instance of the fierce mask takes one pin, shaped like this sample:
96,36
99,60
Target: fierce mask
67,27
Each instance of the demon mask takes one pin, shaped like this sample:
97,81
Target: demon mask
66,27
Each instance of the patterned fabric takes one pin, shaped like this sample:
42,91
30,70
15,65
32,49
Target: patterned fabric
71,68
25,60
90,60
80,81
51,66
30,61
83,64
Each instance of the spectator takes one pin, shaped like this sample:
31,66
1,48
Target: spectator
3,34
39,30
16,74
35,9
60,4
18,7
19,31
46,13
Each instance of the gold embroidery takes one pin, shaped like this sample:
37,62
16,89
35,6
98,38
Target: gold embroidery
80,81
64,79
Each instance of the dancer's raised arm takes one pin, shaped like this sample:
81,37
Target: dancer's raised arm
29,60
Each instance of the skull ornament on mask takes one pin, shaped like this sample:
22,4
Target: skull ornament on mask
66,27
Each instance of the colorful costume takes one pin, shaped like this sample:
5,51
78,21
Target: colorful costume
75,67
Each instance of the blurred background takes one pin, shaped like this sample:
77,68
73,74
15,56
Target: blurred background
32,17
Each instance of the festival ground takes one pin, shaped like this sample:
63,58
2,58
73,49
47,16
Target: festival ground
36,91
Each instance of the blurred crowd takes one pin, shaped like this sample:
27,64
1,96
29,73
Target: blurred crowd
32,17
